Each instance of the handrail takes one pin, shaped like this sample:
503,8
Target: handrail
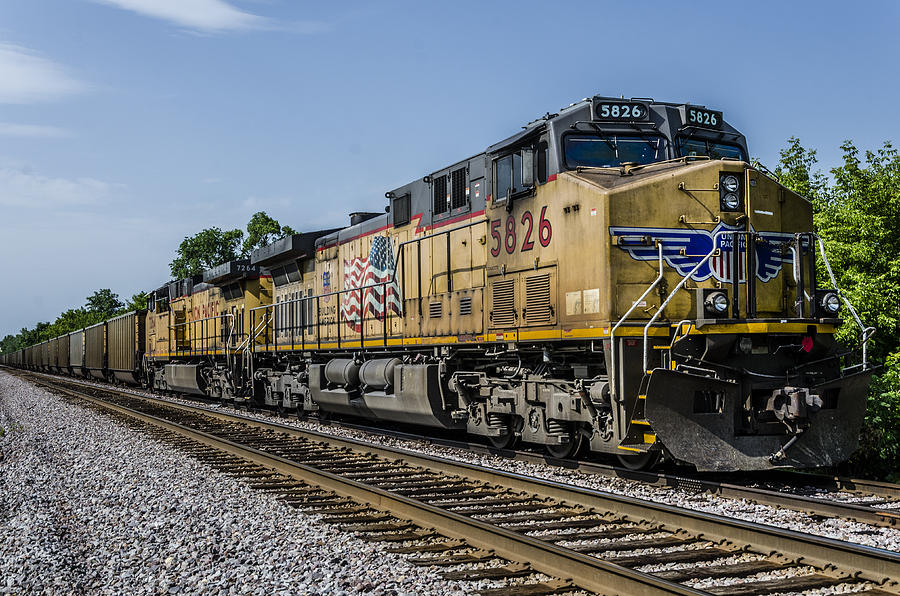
195,321
228,341
683,281
612,332
400,255
219,316
380,283
866,333
244,345
678,328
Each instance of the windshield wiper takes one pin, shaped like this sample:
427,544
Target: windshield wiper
648,141
603,138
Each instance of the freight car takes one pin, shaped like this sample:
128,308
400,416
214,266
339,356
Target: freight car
76,353
614,277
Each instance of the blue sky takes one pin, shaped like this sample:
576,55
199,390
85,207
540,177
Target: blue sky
126,125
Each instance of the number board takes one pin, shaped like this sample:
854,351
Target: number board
702,117
621,111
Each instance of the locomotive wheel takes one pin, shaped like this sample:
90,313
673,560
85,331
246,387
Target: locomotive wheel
569,448
507,440
643,461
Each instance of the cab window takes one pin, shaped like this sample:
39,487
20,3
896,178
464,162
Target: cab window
611,151
508,171
703,147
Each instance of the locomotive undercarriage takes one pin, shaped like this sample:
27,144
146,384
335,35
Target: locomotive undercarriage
507,394
718,401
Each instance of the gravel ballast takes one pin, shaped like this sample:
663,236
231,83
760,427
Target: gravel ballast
89,506
836,528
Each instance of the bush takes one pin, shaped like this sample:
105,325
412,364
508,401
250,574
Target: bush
857,215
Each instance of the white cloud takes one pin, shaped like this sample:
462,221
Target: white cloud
202,15
21,186
9,129
26,77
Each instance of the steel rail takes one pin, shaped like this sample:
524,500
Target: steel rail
867,563
731,490
585,571
871,487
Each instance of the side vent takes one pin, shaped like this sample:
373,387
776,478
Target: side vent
458,188
440,198
538,309
465,305
503,303
435,310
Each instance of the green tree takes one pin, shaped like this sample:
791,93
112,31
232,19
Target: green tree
205,249
75,319
38,334
8,344
136,302
857,215
263,230
104,303
796,170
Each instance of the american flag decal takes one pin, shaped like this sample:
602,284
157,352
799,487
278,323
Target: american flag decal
377,268
722,264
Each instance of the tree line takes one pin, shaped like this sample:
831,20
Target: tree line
205,249
100,306
856,211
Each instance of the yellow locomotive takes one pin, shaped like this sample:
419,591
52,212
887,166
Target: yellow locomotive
615,277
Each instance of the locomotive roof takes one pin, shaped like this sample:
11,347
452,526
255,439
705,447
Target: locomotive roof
666,118
232,270
296,246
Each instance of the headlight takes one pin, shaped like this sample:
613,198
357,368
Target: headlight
730,183
717,303
731,201
730,191
831,303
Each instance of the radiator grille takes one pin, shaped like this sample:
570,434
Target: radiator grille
457,188
465,305
435,310
503,305
537,300
440,197
400,210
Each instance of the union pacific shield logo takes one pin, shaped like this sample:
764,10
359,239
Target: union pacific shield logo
684,249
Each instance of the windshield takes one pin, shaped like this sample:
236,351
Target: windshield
711,149
612,151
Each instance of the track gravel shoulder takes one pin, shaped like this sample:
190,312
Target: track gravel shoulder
88,506
836,528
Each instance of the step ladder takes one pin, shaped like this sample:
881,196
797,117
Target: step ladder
640,437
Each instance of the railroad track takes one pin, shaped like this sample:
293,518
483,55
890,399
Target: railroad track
444,513
774,488
864,501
